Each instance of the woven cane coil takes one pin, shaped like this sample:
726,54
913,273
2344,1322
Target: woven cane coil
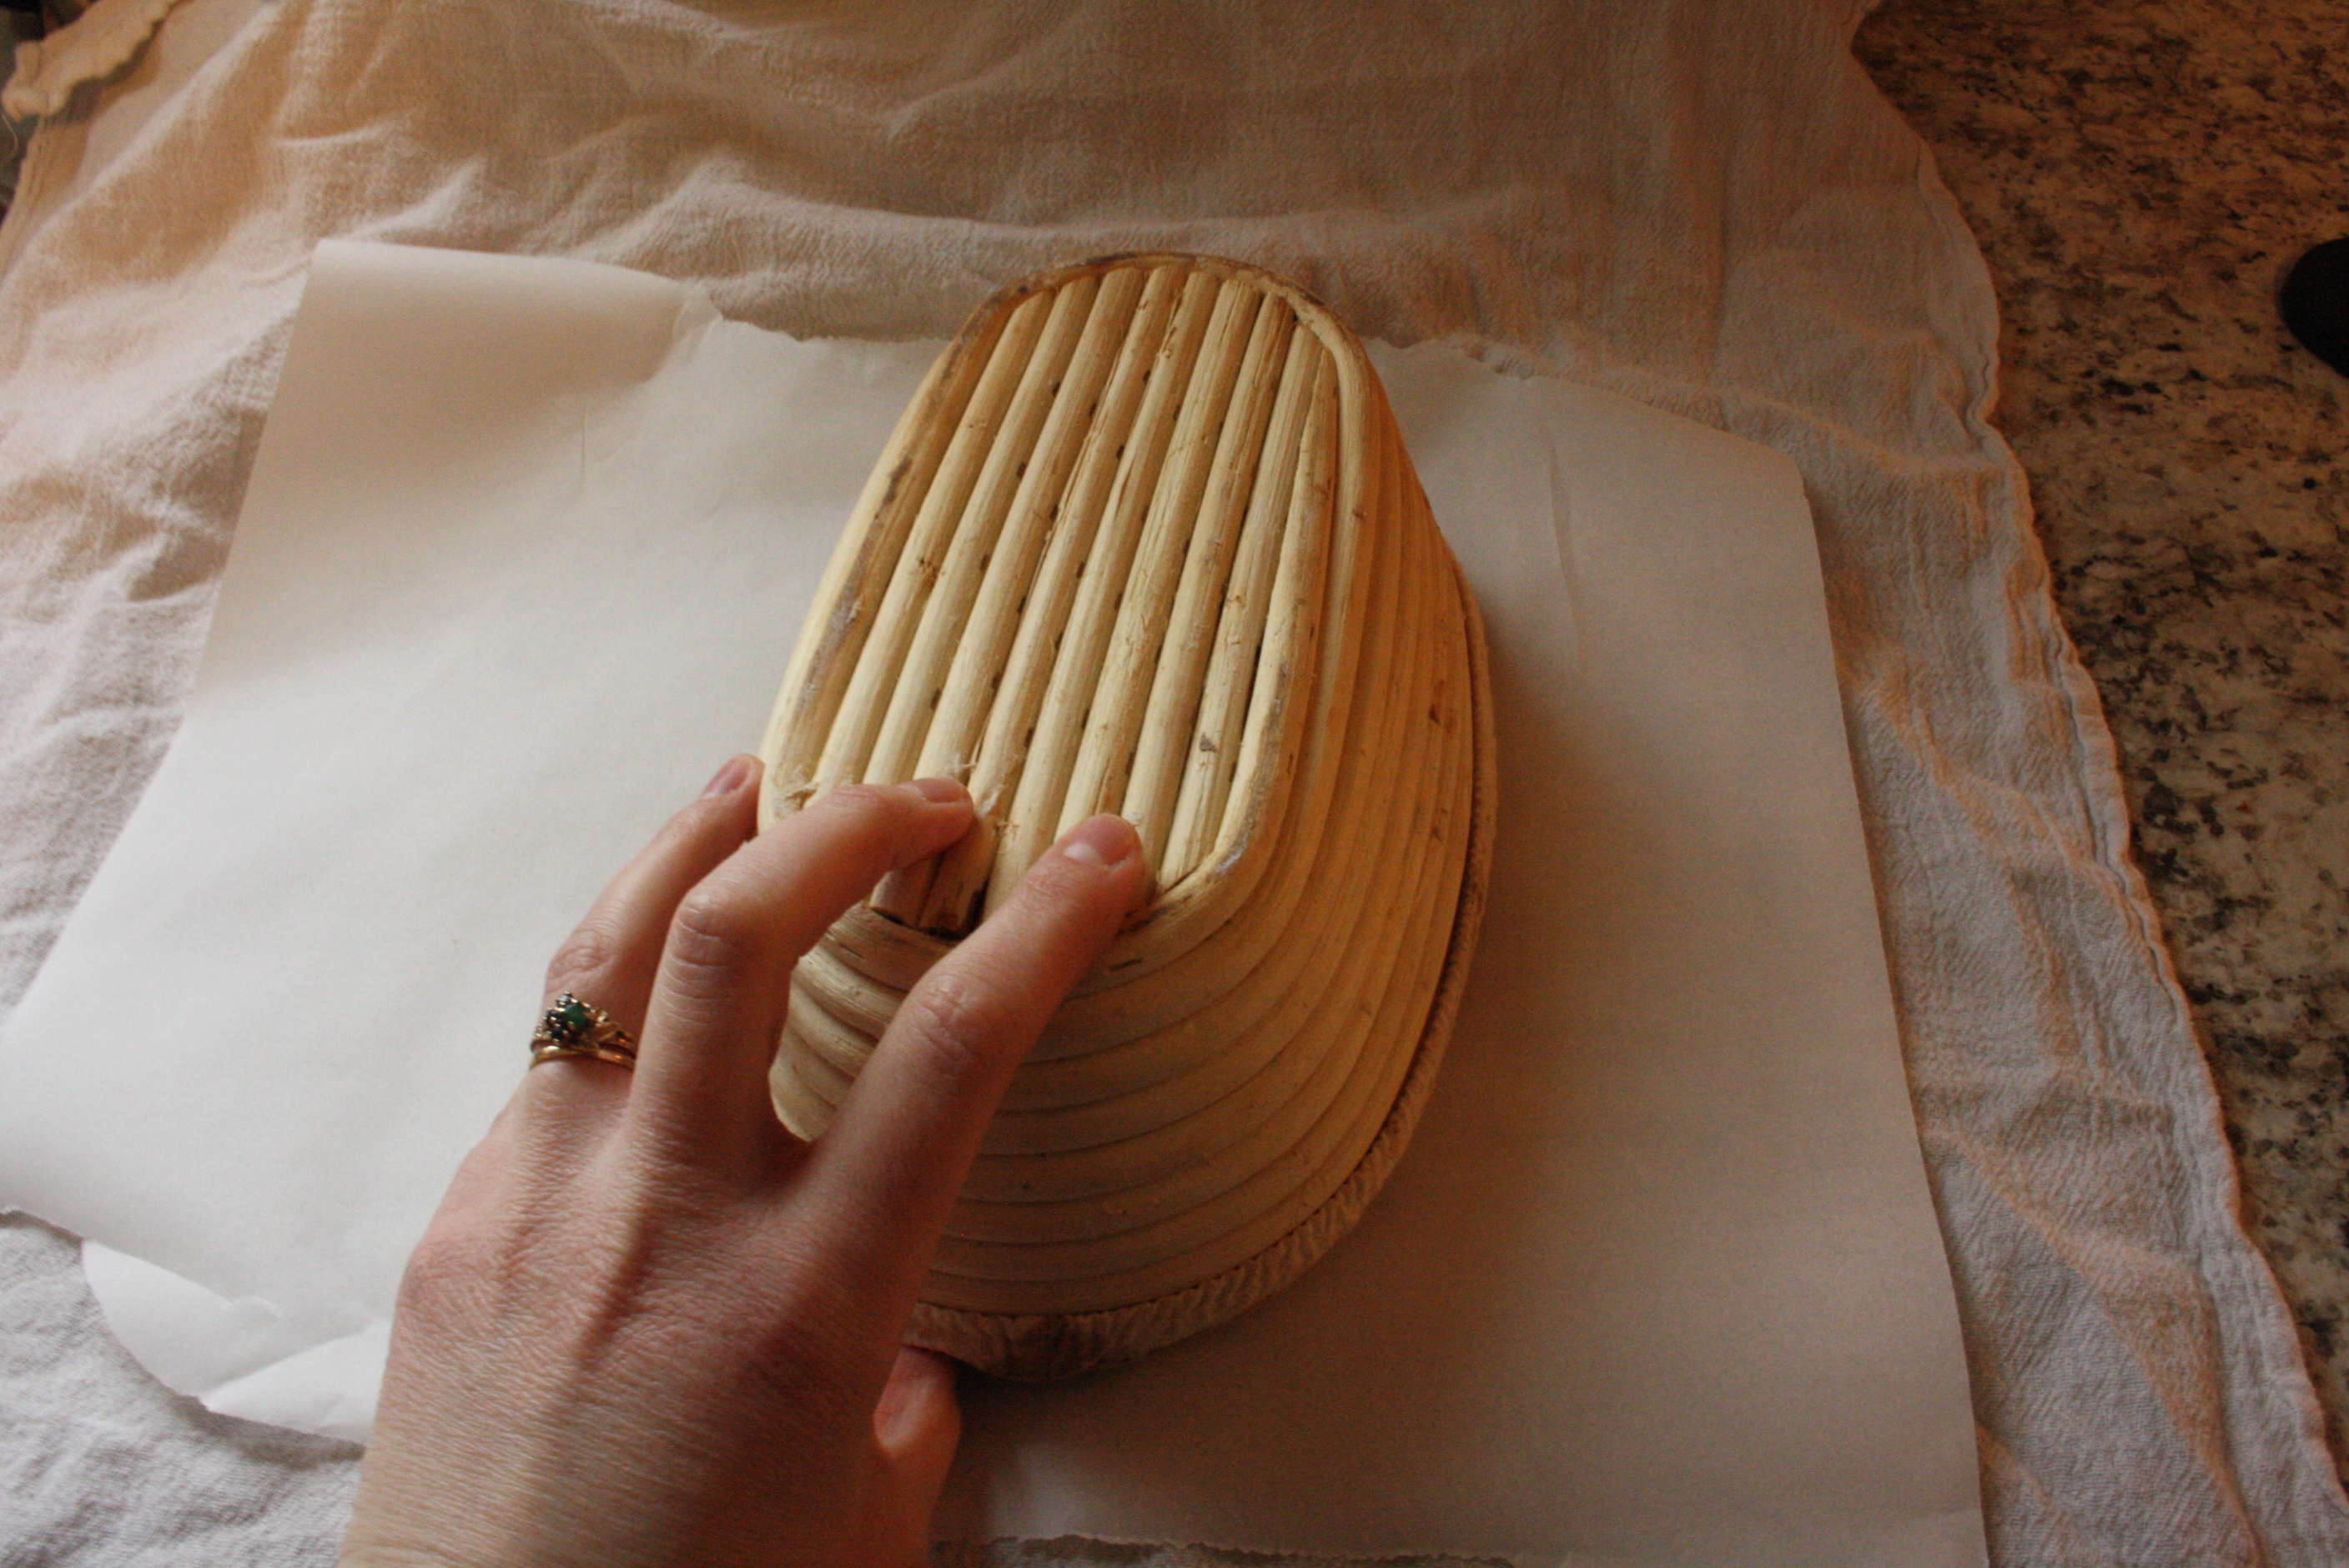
1146,540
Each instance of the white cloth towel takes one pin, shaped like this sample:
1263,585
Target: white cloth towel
1704,206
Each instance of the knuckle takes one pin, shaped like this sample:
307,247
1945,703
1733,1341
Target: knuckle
862,803
864,815
449,1265
856,825
1055,882
682,832
586,955
959,1027
713,931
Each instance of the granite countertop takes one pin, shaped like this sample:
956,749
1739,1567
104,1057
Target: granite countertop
2140,177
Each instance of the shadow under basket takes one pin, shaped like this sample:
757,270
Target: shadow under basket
1147,541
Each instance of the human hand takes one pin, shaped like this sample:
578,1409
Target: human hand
648,1324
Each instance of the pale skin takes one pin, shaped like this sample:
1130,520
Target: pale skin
648,1325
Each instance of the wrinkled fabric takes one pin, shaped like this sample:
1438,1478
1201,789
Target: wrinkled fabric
1703,206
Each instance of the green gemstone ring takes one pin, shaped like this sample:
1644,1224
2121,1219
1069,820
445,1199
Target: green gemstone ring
575,1029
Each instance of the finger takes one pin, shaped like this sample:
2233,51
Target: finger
610,959
887,1171
916,1427
724,980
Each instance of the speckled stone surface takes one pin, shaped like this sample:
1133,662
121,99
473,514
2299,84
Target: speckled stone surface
2140,178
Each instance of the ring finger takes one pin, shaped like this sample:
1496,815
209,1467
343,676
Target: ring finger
610,960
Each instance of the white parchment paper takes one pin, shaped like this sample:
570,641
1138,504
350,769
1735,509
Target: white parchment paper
524,550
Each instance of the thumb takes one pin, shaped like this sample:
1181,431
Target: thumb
915,1426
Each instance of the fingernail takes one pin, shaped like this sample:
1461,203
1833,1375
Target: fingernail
728,779
938,790
1102,840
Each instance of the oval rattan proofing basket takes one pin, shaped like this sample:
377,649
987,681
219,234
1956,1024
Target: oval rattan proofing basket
1147,540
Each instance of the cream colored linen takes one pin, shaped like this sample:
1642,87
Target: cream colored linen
90,47
1704,206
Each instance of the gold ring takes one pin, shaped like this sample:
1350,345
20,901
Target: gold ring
575,1029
